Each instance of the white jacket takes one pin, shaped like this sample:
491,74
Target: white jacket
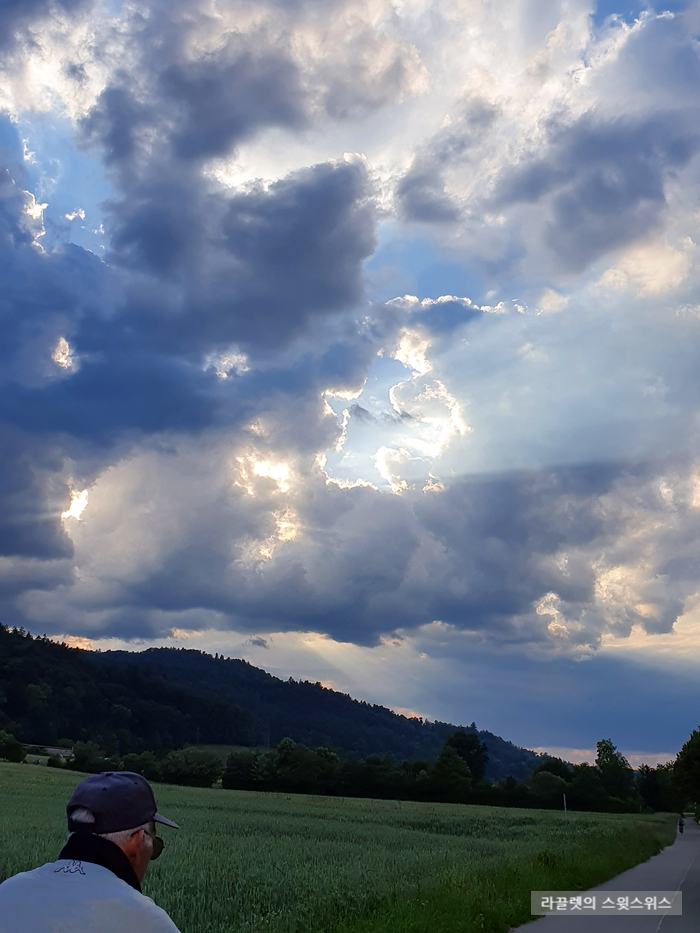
70,896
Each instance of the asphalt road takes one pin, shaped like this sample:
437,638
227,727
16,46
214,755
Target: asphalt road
676,868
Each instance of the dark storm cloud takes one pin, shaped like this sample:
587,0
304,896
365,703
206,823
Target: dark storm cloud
156,121
301,245
199,109
422,197
142,393
28,520
273,259
497,530
114,121
253,267
258,266
602,183
220,104
39,297
202,83
159,119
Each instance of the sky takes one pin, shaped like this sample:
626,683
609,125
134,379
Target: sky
360,339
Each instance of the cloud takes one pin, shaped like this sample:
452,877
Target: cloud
551,301
255,270
200,109
259,642
41,297
651,269
422,192
544,563
602,184
16,16
423,198
263,448
572,151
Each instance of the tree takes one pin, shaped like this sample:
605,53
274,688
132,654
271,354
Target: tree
87,756
191,767
586,787
647,786
616,775
374,776
450,778
327,768
686,770
10,748
556,766
549,786
671,797
240,769
296,768
472,751
144,764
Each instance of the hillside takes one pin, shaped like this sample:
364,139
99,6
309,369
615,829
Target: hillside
164,697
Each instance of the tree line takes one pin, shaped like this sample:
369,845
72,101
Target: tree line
456,776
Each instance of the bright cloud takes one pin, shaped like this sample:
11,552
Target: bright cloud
78,504
651,269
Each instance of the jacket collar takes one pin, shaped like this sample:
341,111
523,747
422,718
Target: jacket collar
86,847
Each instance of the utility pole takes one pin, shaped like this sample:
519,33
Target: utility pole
564,796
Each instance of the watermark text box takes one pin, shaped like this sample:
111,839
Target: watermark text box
607,903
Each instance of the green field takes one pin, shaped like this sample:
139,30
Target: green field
247,862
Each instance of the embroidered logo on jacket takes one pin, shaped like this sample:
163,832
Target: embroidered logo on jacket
72,868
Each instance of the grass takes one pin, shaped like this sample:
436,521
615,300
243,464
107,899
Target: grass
271,863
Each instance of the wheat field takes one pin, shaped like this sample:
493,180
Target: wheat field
246,862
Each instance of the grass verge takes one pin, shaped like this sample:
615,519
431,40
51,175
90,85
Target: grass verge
497,899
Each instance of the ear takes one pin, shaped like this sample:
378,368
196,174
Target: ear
132,846
138,852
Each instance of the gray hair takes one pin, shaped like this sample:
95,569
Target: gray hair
87,817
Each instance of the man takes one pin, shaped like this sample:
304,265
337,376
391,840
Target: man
95,885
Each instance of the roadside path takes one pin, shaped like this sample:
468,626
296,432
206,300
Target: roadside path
677,867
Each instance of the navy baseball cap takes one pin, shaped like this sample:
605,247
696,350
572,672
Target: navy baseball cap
118,800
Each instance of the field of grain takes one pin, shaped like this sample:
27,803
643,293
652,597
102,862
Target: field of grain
247,862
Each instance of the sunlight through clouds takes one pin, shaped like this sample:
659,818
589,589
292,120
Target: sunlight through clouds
78,504
63,355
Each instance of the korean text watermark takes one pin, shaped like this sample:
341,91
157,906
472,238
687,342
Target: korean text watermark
605,903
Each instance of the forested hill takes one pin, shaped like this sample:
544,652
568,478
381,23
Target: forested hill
312,714
165,697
